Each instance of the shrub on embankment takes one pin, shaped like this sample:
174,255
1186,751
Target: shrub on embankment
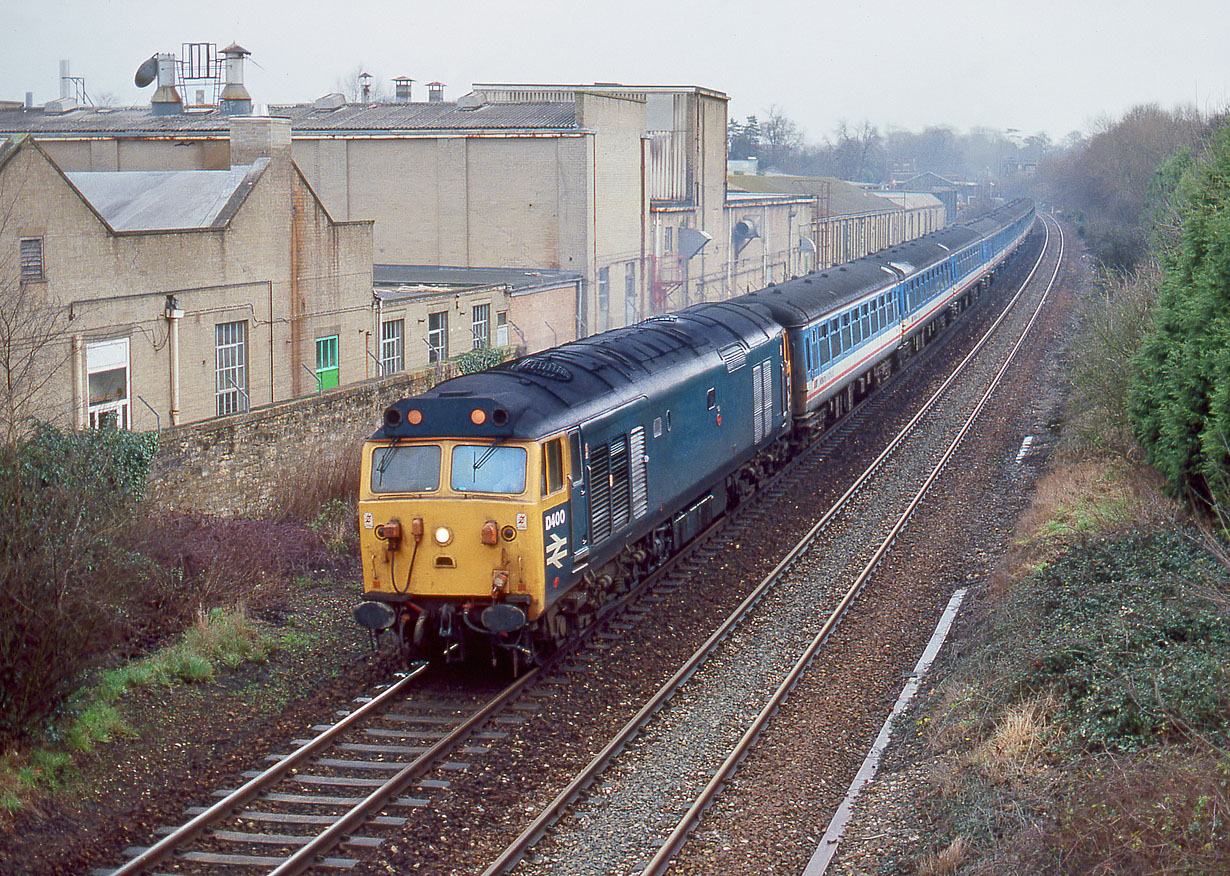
1180,394
89,574
69,588
1088,730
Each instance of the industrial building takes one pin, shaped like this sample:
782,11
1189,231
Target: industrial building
518,215
166,297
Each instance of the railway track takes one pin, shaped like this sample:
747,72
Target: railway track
366,762
339,784
633,806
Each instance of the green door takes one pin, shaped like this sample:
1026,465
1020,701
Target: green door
326,363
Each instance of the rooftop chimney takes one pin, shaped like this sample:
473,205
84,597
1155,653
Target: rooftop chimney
66,82
401,88
166,100
235,100
435,92
254,137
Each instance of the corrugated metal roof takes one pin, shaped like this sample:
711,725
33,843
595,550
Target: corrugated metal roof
304,117
844,199
164,200
911,200
431,275
437,116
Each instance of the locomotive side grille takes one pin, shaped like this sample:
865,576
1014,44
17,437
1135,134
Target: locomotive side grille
766,398
640,479
758,426
599,493
621,493
735,357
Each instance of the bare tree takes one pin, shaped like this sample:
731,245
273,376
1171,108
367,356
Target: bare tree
33,326
780,139
859,154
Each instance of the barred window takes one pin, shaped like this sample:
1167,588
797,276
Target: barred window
481,326
231,356
437,337
393,346
604,299
31,252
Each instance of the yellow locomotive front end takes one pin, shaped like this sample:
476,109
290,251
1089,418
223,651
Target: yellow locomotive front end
451,541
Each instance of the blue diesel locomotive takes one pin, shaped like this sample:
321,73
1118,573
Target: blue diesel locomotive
500,510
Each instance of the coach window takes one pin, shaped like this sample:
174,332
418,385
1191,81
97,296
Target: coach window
807,345
824,345
856,327
875,315
835,337
845,331
711,399
552,466
866,321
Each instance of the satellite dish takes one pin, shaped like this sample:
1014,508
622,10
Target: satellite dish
147,72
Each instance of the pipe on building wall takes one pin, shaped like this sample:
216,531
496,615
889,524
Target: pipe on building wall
644,210
174,314
378,311
79,400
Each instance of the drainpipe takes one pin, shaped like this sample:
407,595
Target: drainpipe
643,310
174,314
79,400
378,310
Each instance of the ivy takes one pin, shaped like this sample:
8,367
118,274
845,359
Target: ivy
474,361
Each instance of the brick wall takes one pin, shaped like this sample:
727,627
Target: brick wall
241,465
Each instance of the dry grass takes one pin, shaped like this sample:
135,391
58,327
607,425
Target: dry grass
944,862
299,493
1015,748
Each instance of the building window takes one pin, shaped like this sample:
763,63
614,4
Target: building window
231,358
106,366
668,239
501,328
31,253
630,302
392,346
604,299
326,363
437,337
480,327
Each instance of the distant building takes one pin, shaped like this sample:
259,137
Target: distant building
944,189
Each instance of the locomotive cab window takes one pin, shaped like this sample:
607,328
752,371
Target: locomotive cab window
711,399
552,466
406,468
488,468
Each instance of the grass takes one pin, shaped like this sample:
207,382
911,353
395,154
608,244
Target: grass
217,640
1088,728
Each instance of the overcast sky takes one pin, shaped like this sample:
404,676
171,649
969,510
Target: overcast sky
1045,65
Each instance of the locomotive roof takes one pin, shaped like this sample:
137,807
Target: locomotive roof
544,392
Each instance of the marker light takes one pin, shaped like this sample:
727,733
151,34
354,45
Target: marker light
443,536
478,416
414,416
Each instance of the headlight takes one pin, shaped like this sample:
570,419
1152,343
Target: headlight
443,535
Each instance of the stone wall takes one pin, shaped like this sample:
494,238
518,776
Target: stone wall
250,463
